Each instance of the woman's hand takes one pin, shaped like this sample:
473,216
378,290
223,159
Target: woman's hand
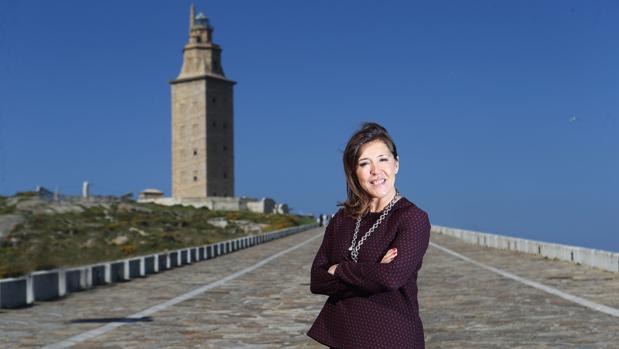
390,255
332,269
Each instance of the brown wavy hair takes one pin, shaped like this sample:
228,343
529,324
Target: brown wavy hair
358,201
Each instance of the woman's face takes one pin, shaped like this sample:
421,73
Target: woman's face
376,169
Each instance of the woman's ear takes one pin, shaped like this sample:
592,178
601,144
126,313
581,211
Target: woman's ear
397,164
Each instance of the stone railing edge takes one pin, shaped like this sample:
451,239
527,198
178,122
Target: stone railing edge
53,284
600,259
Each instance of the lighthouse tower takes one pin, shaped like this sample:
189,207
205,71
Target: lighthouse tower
202,118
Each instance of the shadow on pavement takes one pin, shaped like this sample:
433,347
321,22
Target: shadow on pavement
112,319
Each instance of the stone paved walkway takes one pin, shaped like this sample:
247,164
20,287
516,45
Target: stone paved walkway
462,305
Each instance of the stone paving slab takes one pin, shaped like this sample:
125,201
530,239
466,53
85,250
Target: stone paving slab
270,307
462,305
597,285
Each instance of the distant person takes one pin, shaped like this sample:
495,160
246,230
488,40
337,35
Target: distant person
371,253
325,219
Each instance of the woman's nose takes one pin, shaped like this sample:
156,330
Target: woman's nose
373,168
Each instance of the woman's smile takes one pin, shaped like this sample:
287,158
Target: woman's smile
378,181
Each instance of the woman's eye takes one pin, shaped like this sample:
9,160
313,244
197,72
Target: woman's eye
363,164
384,159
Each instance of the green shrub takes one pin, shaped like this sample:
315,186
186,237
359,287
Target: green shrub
129,249
5,208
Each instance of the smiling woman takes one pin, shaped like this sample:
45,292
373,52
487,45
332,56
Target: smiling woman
372,290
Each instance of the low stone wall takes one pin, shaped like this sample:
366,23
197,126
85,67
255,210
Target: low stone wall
600,259
53,284
221,203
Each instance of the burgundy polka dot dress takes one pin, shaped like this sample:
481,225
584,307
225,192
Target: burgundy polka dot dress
371,305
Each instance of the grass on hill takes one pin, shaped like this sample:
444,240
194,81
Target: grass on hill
109,232
4,208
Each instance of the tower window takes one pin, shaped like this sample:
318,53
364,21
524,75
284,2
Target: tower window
195,152
195,178
214,100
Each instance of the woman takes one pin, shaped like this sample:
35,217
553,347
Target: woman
371,253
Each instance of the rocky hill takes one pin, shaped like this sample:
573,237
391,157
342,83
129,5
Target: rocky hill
37,233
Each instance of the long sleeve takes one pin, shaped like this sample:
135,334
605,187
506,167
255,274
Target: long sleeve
411,241
321,282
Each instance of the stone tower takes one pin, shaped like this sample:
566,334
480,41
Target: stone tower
202,118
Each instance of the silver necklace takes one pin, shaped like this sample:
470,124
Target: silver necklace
356,246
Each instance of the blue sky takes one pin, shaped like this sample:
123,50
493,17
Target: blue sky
506,114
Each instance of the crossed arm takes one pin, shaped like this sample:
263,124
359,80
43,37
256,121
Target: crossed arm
346,279
322,281
387,258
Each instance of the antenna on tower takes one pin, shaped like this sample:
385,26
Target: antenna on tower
192,16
